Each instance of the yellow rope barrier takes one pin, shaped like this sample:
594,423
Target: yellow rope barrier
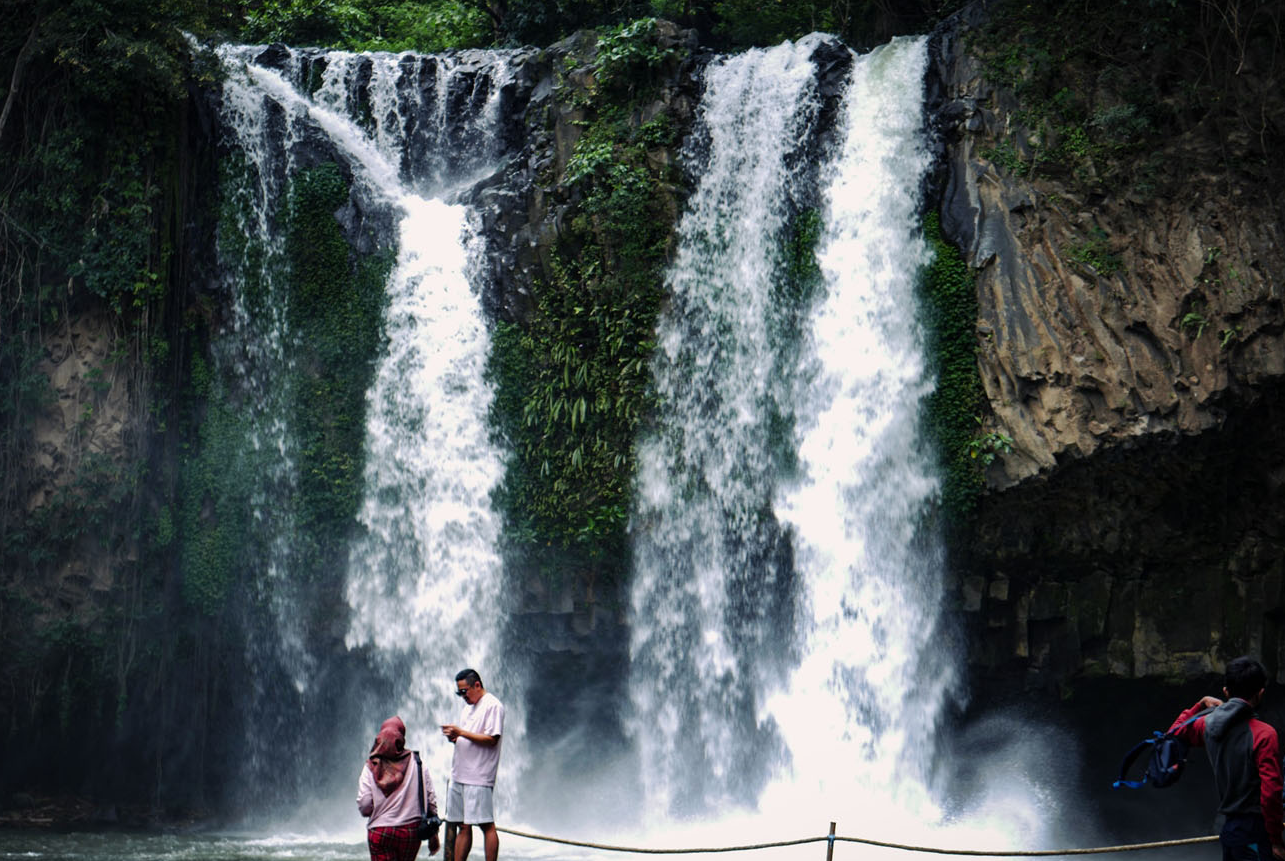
642,850
934,850
1030,853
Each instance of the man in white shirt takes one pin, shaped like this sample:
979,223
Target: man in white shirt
476,761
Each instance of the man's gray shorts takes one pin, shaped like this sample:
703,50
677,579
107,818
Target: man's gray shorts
469,804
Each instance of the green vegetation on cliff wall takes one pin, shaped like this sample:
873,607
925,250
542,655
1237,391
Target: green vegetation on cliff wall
572,375
336,303
333,300
121,518
954,409
94,208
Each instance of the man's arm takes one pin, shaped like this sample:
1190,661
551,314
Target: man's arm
491,724
1194,732
452,732
1268,759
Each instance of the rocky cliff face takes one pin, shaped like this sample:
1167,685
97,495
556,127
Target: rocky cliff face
92,424
1130,345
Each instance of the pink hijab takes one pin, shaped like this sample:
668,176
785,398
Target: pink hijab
388,755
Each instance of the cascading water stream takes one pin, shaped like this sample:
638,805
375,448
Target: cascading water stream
873,674
708,591
785,650
788,653
424,579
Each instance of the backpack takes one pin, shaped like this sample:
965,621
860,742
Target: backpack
1167,760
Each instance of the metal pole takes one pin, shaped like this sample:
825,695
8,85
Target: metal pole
829,845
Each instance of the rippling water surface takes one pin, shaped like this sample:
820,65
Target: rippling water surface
109,846
125,846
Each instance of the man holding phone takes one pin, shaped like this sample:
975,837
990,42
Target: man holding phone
476,760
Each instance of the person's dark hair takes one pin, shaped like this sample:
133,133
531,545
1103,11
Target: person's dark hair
469,676
1244,677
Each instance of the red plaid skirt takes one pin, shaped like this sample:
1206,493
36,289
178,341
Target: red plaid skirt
393,844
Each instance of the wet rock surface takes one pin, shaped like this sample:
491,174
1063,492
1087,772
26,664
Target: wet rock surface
1132,349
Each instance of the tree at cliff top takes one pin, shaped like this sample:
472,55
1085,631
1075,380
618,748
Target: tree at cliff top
434,25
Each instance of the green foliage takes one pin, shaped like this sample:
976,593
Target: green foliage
332,23
24,390
950,305
572,383
89,149
1107,87
428,27
1095,252
793,293
572,374
216,512
95,100
754,22
986,447
1005,155
94,210
629,55
370,25
164,531
1194,321
334,301
335,308
726,24
437,25
94,105
804,272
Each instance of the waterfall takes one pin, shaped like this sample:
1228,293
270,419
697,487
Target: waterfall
787,652
252,357
423,581
872,677
708,583
785,594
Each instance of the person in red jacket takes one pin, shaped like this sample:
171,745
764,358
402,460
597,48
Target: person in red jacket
1246,758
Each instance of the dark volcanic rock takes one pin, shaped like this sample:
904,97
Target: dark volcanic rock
1136,527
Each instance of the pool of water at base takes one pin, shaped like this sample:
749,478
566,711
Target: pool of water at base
40,845
143,846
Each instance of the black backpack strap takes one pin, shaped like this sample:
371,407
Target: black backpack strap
1191,719
1130,758
419,772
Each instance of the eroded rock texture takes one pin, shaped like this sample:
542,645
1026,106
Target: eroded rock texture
1131,347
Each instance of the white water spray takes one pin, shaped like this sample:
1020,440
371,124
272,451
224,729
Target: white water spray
862,705
424,580
705,598
788,652
784,606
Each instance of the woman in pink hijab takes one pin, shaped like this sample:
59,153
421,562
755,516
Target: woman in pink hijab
388,794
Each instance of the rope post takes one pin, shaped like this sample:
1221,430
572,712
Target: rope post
829,845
